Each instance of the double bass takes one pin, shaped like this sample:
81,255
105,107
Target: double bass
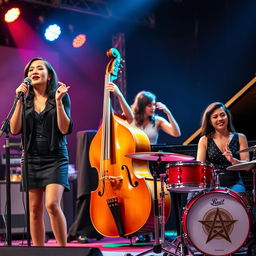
122,204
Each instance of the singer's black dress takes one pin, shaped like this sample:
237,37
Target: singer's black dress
47,151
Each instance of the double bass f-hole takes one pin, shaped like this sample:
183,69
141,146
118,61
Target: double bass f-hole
129,176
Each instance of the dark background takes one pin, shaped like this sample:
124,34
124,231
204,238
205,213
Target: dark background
190,54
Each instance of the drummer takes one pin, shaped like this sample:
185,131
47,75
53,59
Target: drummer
219,144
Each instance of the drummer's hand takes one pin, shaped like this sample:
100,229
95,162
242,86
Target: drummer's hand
227,153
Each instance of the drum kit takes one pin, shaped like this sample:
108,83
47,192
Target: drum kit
216,221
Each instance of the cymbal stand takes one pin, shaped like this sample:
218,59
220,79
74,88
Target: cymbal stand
216,178
180,242
157,247
162,218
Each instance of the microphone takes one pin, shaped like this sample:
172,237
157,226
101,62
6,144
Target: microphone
27,81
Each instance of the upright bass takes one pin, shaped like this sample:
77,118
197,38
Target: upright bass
122,203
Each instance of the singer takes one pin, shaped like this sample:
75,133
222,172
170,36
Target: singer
48,120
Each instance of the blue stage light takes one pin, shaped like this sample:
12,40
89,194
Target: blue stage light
52,32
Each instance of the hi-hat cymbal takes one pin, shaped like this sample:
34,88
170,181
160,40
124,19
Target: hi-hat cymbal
243,166
162,156
250,149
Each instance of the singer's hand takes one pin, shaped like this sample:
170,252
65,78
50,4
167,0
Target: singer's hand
23,88
61,91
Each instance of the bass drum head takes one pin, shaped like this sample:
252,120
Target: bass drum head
216,222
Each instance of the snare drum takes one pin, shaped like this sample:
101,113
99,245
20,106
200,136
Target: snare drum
217,222
189,176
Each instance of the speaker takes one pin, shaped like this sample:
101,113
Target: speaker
49,251
18,217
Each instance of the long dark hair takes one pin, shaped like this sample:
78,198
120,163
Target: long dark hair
52,84
141,100
207,128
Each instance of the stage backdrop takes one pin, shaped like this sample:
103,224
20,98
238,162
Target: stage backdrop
85,78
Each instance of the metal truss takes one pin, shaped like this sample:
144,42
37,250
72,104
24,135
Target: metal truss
93,7
101,8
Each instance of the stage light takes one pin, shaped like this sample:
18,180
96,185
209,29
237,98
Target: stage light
52,32
79,40
12,15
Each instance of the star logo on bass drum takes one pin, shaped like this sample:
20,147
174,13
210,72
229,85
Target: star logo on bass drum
218,224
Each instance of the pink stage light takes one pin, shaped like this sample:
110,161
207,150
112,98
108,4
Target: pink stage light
12,14
79,40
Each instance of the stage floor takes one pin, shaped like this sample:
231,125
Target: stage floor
113,246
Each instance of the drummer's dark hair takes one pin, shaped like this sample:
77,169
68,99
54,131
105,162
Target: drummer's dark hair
141,100
207,128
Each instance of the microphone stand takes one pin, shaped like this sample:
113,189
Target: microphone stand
5,128
25,167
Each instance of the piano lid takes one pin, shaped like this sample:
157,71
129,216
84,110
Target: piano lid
243,109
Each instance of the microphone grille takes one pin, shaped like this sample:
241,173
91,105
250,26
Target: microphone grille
28,80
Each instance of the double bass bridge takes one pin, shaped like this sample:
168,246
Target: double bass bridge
115,181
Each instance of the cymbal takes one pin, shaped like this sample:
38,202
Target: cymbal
250,149
162,156
243,166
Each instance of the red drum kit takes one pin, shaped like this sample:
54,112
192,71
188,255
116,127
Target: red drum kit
216,221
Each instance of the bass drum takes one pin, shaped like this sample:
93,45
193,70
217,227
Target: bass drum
217,222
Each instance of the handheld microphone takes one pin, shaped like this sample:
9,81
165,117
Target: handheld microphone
26,81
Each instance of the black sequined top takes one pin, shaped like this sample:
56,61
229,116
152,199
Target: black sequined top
220,162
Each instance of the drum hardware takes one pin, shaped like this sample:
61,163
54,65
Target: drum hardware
159,220
180,243
249,166
184,177
216,178
249,149
160,156
162,219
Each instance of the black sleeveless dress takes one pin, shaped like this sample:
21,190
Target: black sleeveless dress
220,162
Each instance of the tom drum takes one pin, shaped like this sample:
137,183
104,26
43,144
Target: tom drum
189,176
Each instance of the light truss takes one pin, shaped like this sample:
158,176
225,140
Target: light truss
101,8
93,7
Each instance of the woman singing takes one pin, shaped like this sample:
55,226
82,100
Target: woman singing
47,117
